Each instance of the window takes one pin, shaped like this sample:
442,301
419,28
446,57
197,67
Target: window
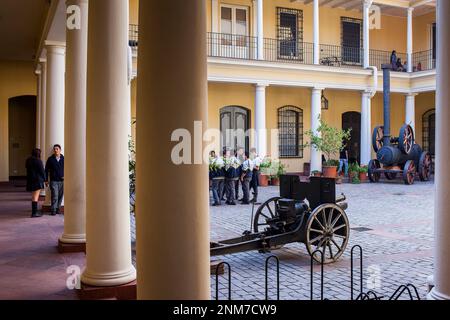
290,126
290,33
429,131
234,21
351,40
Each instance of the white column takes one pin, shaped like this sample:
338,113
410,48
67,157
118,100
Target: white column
316,32
260,23
410,110
38,73
441,291
316,112
54,133
366,32
409,45
108,237
260,119
172,249
366,130
43,102
215,16
75,130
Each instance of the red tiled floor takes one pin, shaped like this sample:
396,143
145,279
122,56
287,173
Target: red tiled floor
30,266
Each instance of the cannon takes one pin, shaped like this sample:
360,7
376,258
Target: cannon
306,212
396,155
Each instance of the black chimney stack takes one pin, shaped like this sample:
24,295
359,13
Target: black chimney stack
387,103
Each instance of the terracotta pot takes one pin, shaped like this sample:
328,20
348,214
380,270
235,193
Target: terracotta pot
275,181
263,180
362,176
330,172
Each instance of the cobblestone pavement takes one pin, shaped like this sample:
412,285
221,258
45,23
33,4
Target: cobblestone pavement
397,246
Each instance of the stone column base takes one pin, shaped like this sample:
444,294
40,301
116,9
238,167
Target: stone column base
123,292
71,247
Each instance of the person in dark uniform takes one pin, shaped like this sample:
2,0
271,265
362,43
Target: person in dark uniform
240,156
255,178
54,170
343,160
246,177
35,180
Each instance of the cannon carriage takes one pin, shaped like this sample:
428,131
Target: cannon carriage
396,156
305,212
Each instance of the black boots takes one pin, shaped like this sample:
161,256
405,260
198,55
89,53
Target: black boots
34,210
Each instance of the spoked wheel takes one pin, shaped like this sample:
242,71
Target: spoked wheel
266,212
409,172
425,166
327,230
373,166
390,175
377,138
406,139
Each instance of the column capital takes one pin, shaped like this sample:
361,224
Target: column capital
411,94
261,85
57,47
368,3
410,10
317,88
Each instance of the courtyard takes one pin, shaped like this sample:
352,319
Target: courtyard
392,222
396,234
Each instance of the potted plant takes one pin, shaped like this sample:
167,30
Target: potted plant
353,170
363,170
355,180
329,141
264,168
316,173
279,168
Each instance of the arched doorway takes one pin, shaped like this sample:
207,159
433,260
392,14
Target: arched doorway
22,133
429,131
352,120
234,123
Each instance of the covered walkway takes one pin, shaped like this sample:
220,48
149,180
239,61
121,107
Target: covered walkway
31,266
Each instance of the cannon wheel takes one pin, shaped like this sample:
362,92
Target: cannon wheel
268,210
390,175
327,230
425,166
374,176
409,172
377,138
406,139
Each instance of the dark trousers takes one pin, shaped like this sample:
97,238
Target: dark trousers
217,189
246,188
230,189
255,183
236,189
57,191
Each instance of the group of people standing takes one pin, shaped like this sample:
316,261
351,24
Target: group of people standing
39,177
231,170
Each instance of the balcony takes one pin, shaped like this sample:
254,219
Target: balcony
231,46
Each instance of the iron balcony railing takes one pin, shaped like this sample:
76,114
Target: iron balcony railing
424,60
233,46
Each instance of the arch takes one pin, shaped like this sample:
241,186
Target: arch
429,131
21,132
234,126
290,128
352,120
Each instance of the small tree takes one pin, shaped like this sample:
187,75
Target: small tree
327,140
